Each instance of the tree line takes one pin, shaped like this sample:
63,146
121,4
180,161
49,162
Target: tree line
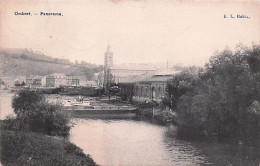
221,99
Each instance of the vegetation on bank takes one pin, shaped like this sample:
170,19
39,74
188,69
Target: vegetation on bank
34,113
19,148
223,98
230,154
35,135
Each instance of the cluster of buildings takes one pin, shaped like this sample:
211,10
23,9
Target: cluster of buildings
138,83
49,81
114,73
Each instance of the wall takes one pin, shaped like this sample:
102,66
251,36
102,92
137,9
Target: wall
150,91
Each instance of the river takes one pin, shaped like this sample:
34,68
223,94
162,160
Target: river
132,142
138,142
5,105
126,142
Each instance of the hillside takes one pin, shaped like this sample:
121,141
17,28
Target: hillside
22,62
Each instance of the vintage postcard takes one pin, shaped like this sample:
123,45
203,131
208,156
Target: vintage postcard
129,82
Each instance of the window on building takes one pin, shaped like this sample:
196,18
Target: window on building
146,91
159,92
75,81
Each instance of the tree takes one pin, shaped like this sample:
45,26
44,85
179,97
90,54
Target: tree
222,97
182,83
35,114
233,85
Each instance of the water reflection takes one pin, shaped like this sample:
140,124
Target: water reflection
5,105
183,151
129,142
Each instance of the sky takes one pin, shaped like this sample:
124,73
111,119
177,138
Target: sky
141,31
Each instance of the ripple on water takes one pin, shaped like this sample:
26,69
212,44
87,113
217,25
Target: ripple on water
129,142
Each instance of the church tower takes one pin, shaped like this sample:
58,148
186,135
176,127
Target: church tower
108,58
108,63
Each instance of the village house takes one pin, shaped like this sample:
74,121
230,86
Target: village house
29,80
20,81
91,83
11,81
35,81
80,80
76,80
56,80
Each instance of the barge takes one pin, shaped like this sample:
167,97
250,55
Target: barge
86,109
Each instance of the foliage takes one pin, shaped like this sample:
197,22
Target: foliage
34,113
222,97
19,148
24,101
72,148
192,110
184,82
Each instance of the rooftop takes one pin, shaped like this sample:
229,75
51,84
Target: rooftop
133,66
159,76
166,72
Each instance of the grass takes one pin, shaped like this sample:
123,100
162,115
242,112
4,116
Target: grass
19,148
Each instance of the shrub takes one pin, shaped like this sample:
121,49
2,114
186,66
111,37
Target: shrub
192,111
252,120
254,108
35,114
30,149
73,149
26,100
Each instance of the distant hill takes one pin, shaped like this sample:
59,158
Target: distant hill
24,62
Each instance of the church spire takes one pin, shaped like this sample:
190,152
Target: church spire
108,48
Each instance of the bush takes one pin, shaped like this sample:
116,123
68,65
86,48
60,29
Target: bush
26,100
30,149
192,111
34,113
73,149
252,120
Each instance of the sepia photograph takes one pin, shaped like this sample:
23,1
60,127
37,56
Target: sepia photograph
129,83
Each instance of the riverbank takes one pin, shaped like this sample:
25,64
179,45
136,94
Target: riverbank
27,148
148,111
35,134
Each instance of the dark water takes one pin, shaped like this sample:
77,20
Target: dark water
134,143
